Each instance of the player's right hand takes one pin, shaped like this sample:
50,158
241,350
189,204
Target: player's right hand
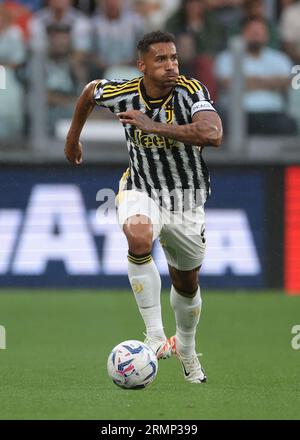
73,152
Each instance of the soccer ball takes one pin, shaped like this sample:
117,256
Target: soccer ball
132,365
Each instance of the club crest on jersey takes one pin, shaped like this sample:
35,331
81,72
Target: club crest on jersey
169,114
148,140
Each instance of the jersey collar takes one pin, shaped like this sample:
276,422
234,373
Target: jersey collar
153,103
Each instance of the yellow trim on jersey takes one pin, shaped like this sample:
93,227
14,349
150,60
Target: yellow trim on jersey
196,86
153,101
121,184
168,99
141,95
115,90
124,176
111,94
192,85
181,83
117,87
94,91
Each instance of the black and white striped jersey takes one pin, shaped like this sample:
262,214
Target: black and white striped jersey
168,170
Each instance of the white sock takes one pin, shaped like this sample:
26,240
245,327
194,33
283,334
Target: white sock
146,285
187,314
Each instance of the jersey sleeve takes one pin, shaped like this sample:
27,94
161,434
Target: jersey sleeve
110,93
200,99
101,93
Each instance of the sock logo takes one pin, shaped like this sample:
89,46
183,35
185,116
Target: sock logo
137,287
196,312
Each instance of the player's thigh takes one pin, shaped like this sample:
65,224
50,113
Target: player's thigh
136,211
183,240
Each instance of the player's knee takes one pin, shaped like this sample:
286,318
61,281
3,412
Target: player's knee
139,238
188,289
185,282
140,245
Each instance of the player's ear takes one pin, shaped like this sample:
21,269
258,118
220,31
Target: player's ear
141,65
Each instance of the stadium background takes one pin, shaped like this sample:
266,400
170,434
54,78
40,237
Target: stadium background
50,236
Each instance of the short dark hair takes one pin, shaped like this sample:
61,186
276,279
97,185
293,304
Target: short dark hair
153,38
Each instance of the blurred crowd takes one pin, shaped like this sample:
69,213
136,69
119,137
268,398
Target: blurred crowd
88,39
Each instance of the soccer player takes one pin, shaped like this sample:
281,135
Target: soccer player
168,119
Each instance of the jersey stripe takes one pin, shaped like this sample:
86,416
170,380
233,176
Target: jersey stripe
141,171
111,89
135,175
192,163
120,86
205,175
187,86
119,92
205,92
178,159
190,83
153,168
167,173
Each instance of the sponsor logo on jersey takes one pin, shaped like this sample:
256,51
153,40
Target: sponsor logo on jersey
146,140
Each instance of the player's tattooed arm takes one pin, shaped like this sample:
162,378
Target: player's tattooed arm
138,119
205,129
84,106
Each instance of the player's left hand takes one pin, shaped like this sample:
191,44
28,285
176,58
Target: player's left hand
73,152
138,119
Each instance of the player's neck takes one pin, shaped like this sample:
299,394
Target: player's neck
154,91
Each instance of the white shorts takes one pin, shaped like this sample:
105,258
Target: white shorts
181,234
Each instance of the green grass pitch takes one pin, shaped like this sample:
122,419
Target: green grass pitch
57,344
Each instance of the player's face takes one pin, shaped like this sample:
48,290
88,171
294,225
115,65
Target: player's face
160,64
